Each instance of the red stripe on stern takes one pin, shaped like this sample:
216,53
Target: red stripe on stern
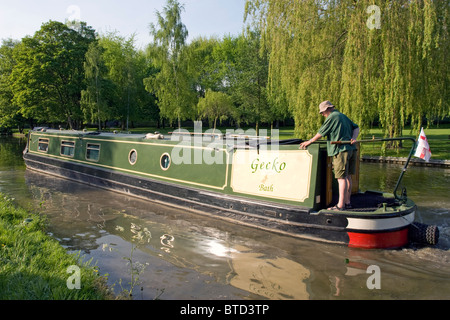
381,240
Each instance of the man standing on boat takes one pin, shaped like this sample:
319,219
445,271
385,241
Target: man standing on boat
338,127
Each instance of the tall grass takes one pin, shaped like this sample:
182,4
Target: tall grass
33,266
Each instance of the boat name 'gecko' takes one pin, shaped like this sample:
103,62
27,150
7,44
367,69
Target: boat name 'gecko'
275,165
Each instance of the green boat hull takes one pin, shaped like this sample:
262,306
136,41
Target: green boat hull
275,187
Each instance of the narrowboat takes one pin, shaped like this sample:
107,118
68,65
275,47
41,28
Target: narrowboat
256,182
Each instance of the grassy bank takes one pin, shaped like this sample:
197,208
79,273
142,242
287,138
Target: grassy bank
33,266
438,139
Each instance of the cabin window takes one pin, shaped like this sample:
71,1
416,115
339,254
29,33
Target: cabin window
92,152
68,148
165,161
132,157
43,145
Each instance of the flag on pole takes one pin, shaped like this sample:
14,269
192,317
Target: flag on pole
423,148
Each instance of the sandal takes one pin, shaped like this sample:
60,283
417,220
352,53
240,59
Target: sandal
348,206
335,208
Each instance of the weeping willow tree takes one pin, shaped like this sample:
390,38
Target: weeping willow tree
171,85
381,61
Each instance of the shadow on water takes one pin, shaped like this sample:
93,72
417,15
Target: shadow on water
180,255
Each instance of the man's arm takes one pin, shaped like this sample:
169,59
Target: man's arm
355,135
304,144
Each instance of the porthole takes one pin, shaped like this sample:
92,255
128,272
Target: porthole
165,161
132,157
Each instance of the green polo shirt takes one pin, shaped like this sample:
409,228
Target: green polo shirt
338,127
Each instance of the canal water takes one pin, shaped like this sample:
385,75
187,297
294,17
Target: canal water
175,254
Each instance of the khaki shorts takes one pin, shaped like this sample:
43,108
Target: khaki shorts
344,163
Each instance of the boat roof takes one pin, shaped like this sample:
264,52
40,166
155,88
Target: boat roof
251,140
93,133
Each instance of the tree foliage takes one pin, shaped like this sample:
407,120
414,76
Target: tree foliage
94,98
126,68
48,76
9,115
380,62
70,74
329,50
171,84
215,106
250,80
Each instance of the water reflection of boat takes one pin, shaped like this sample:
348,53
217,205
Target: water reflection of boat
87,219
271,186
271,277
275,278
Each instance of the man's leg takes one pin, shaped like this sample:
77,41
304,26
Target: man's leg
340,164
342,182
348,190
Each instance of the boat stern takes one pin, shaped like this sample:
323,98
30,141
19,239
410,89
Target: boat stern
389,226
379,233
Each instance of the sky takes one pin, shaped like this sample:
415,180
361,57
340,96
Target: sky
206,18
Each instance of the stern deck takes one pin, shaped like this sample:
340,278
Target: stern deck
369,201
